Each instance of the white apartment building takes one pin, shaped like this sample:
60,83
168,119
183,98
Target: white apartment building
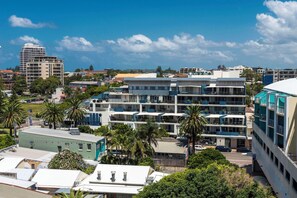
28,52
164,100
44,67
275,136
281,74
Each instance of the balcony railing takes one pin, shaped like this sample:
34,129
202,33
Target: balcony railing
280,129
271,105
281,110
271,122
262,117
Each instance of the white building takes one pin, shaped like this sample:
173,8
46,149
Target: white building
239,68
275,136
164,100
119,180
28,52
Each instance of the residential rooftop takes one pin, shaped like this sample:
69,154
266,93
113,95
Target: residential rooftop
62,134
285,86
172,147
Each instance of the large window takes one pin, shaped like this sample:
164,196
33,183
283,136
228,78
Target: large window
80,146
89,146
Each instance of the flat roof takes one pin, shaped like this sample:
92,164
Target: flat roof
57,178
16,182
8,163
85,82
169,147
62,134
285,86
14,191
27,153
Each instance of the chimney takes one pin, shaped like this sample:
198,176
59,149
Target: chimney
98,175
112,176
125,176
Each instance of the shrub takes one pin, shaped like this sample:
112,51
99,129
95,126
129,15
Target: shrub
85,129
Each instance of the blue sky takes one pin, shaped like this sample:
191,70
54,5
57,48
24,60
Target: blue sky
145,34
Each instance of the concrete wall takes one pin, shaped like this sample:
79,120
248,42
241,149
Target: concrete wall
278,181
47,143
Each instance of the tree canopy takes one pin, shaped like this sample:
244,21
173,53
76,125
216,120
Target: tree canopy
214,181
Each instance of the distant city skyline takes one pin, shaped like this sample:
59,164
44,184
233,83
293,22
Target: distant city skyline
145,34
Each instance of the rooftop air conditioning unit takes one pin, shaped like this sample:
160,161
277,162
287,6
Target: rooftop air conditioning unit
74,131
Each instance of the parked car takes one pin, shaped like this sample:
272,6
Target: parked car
223,148
199,147
243,150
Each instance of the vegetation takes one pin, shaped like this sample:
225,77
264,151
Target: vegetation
19,85
75,112
53,114
34,108
12,114
45,86
6,141
70,161
212,181
205,158
86,129
192,124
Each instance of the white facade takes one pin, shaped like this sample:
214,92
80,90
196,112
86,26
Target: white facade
28,52
164,100
275,136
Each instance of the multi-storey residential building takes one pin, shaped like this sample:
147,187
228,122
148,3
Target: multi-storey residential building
275,75
275,136
164,100
28,52
44,67
7,78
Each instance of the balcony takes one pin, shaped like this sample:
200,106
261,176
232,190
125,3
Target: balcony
271,105
281,110
270,122
228,133
280,129
263,117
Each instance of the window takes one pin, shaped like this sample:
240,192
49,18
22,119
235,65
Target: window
67,145
264,146
281,168
288,176
276,161
271,156
294,185
89,146
267,150
80,146
152,88
59,148
161,88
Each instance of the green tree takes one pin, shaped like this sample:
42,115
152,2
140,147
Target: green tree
192,124
159,71
211,182
75,112
13,115
73,194
91,68
19,85
86,129
53,114
205,158
6,141
67,160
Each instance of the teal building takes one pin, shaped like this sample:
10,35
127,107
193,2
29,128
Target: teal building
89,146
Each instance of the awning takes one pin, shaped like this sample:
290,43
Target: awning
124,113
173,114
149,113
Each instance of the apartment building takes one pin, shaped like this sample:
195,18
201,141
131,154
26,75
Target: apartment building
164,100
44,67
28,52
7,78
275,75
275,136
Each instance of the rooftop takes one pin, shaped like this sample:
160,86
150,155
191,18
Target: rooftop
13,191
8,163
54,178
16,182
169,147
62,134
85,82
285,86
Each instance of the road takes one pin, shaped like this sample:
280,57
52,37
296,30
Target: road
241,159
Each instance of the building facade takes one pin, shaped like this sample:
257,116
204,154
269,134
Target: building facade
275,136
275,75
28,52
44,67
89,146
164,100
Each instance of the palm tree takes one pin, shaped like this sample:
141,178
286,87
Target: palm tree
53,114
138,147
73,194
150,132
13,114
192,123
75,112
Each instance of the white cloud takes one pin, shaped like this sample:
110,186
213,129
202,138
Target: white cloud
136,43
16,21
281,25
76,44
25,39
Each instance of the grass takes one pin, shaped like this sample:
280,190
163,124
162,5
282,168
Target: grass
4,131
36,108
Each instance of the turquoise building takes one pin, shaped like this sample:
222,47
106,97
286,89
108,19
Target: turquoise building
88,145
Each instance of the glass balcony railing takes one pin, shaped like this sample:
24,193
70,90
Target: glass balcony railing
280,129
281,110
271,122
262,117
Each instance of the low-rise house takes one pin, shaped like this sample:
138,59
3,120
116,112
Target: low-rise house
52,180
89,146
119,180
83,85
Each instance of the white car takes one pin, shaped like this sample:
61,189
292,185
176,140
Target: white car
199,147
